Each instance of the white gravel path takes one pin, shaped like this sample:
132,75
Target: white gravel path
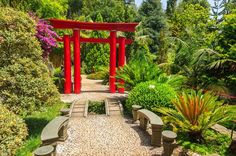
99,135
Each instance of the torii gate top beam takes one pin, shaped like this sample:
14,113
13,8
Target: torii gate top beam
68,24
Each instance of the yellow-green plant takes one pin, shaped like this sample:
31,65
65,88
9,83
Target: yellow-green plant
13,131
195,112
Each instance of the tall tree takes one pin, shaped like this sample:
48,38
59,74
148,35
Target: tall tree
152,17
171,6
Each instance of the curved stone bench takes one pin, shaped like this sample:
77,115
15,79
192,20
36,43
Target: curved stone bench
144,116
55,130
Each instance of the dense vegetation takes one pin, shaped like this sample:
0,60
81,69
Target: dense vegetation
12,132
25,82
151,95
188,46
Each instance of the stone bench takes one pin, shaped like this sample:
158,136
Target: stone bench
156,124
44,151
55,130
168,139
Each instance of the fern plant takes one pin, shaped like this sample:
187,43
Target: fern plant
196,112
136,72
139,71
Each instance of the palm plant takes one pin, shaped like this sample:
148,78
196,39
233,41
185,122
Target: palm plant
217,60
196,112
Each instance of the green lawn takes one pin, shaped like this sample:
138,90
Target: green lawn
35,123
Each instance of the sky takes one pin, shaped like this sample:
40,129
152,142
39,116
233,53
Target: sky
138,3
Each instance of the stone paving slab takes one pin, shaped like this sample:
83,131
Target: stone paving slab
92,90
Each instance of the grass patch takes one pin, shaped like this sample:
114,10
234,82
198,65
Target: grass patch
215,143
96,76
35,123
96,107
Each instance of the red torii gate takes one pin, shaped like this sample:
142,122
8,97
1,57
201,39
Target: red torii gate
112,40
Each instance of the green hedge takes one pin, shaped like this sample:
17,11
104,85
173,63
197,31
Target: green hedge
151,95
25,83
12,132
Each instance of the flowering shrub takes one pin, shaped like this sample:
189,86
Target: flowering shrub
46,37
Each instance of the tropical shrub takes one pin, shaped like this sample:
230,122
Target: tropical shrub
141,71
136,72
12,132
151,95
25,83
196,112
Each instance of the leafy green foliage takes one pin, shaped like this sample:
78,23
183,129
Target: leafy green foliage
142,69
43,8
25,87
151,95
152,17
137,72
215,143
25,84
196,112
97,54
96,107
12,132
100,74
110,10
58,79
171,6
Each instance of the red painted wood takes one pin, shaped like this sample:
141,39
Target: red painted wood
67,65
112,78
77,77
68,24
121,62
96,40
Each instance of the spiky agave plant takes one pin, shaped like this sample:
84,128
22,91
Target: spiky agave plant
195,112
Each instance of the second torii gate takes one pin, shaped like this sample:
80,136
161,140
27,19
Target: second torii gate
77,40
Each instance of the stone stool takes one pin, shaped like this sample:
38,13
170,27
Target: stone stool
168,138
44,151
65,111
135,108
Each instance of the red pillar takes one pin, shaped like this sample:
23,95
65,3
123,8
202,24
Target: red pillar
67,65
77,76
121,62
112,79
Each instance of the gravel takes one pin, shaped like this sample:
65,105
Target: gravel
99,135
